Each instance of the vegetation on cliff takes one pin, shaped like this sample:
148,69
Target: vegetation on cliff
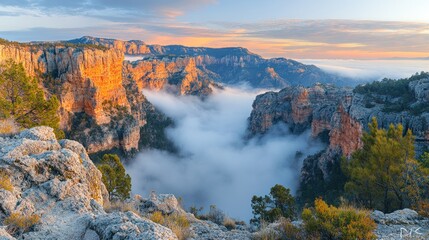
23,101
396,95
274,215
117,182
329,222
52,44
269,208
384,174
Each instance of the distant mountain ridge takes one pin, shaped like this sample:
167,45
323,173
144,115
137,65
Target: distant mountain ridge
231,65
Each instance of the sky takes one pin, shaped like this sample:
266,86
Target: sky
315,29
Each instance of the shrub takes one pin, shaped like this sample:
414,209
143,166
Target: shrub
196,211
120,206
289,231
8,126
157,217
18,223
329,222
215,215
5,182
279,230
178,223
423,208
229,223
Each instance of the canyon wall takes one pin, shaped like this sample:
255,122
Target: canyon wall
99,107
338,117
233,65
82,78
179,75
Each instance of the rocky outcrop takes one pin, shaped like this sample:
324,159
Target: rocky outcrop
133,47
338,116
300,108
178,75
199,229
57,181
401,224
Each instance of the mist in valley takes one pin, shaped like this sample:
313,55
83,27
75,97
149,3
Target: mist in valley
216,164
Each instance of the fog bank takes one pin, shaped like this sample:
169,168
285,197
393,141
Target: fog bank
370,69
215,164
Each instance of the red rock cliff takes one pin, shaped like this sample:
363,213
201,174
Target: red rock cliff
85,77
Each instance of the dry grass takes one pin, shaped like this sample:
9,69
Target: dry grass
229,223
118,206
5,182
18,223
157,217
423,208
178,223
8,127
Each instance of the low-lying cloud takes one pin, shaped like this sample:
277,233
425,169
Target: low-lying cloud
215,164
371,69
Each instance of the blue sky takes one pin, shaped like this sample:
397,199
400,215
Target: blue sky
271,28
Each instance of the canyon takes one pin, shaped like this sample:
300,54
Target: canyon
339,116
101,104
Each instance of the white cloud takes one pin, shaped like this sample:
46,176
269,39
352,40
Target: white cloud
216,165
371,69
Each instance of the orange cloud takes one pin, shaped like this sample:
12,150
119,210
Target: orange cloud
307,39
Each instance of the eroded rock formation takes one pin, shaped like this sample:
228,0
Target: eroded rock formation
57,181
99,107
338,116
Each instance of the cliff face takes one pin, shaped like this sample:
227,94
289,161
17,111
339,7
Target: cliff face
99,107
82,78
339,116
179,75
133,47
230,65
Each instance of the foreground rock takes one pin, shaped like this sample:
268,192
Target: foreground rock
199,229
401,224
57,181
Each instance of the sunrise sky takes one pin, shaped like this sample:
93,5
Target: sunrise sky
301,29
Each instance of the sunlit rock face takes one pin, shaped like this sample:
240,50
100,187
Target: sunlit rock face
99,107
232,65
83,78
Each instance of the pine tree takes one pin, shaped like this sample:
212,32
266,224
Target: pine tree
384,174
23,100
269,208
117,182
